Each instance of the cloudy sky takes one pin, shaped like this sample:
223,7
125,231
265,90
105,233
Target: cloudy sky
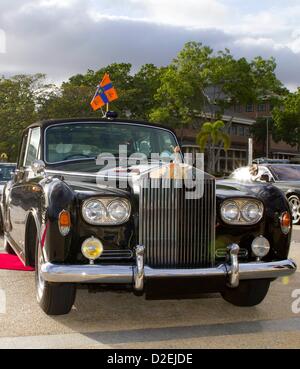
64,37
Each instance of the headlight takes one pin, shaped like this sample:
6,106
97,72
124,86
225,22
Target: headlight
106,211
242,211
119,211
94,212
252,212
230,211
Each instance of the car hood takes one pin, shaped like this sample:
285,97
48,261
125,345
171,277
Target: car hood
115,180
230,188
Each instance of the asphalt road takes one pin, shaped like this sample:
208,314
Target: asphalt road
113,320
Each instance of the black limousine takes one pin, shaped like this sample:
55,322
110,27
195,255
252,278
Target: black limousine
110,204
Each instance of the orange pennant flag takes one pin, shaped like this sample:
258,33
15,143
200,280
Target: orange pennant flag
105,93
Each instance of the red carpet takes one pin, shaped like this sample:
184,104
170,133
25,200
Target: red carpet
12,262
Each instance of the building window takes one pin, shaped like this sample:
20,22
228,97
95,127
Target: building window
230,160
250,108
261,107
247,131
234,130
241,131
238,109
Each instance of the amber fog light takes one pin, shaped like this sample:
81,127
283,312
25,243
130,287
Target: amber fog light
285,222
92,249
260,247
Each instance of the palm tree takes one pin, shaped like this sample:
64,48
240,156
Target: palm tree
211,134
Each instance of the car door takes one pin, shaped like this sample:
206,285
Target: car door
22,198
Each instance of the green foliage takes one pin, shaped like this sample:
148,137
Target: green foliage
19,97
197,81
213,133
198,78
259,129
287,119
180,96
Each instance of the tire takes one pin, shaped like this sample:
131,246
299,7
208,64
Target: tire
53,298
7,248
294,202
249,293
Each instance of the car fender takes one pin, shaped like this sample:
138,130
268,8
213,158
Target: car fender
58,196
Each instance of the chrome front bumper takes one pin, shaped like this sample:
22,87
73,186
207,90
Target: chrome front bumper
232,271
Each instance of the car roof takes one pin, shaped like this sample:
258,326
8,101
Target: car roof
47,123
280,165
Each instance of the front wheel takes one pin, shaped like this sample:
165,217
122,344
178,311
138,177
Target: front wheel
53,298
294,202
249,293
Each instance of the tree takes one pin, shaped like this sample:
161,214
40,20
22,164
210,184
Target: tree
287,120
202,85
73,98
18,100
145,84
261,129
212,134
180,97
136,93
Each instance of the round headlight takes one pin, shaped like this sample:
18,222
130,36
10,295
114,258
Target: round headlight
118,211
230,211
252,212
94,212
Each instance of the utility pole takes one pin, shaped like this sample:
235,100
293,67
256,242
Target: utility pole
250,151
267,145
267,118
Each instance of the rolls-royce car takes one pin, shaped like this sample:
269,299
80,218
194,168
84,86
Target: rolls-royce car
112,204
282,174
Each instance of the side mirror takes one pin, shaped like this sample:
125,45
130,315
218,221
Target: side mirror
38,167
265,178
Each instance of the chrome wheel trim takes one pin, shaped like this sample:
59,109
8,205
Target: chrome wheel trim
40,282
294,202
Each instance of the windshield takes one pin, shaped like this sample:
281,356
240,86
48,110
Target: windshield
5,172
80,142
286,172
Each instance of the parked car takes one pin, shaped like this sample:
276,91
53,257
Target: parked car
6,172
282,174
138,226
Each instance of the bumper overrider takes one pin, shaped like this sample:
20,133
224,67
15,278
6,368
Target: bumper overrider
232,271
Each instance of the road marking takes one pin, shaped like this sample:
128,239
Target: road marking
108,338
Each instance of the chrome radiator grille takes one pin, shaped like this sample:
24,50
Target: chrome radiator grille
177,232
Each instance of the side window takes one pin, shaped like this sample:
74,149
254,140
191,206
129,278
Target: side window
23,150
32,152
